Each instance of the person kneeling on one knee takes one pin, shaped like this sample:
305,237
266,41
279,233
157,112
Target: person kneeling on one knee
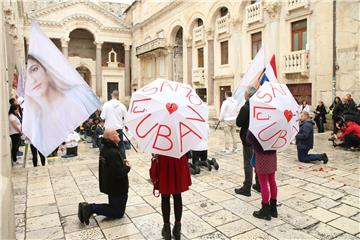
113,181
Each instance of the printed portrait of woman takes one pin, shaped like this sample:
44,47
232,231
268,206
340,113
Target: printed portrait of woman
54,106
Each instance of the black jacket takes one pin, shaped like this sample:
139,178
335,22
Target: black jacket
337,108
322,113
242,121
305,137
113,173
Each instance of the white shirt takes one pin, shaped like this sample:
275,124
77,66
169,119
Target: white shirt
72,140
113,113
14,119
305,108
229,109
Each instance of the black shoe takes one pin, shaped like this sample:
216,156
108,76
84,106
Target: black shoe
273,209
86,212
243,191
80,212
177,231
214,163
205,164
166,231
325,158
263,213
256,187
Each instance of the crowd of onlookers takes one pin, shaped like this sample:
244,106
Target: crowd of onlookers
345,115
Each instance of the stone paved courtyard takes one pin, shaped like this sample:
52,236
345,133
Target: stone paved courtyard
317,201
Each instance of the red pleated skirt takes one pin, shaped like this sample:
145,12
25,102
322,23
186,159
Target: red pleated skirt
174,175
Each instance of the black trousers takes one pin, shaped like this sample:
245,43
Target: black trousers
15,144
351,140
34,152
199,155
248,169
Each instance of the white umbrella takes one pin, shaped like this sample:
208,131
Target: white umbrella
274,116
167,118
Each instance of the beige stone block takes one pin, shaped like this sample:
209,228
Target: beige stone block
287,231
345,210
217,195
41,210
139,210
346,225
46,233
105,222
92,233
220,218
36,201
253,234
321,214
120,231
44,221
72,224
204,207
234,228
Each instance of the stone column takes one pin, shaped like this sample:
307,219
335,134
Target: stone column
98,69
65,46
127,71
189,61
210,67
170,62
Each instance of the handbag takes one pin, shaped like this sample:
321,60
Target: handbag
155,175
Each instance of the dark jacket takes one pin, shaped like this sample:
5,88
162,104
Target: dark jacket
322,113
338,109
305,137
113,173
242,121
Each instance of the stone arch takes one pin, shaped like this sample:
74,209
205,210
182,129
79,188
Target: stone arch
216,6
192,20
84,22
81,44
240,7
174,27
85,73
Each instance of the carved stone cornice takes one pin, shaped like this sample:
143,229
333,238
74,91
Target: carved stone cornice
272,7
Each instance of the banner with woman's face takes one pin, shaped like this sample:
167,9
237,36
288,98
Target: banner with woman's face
57,99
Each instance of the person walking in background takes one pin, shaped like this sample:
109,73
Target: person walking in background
228,113
305,141
304,107
14,130
114,113
351,103
174,178
337,109
265,166
242,121
320,116
113,181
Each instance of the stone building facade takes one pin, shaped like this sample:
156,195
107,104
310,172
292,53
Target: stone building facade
210,44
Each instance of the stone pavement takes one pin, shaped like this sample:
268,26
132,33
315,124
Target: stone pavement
317,201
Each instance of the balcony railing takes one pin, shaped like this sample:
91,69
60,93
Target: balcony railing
223,24
198,34
198,75
294,4
254,13
297,62
155,44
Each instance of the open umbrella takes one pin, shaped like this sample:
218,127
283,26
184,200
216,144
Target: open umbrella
167,118
274,116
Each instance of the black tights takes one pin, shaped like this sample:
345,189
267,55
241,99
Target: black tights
165,207
34,152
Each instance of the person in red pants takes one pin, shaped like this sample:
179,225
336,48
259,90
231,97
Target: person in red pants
265,166
174,178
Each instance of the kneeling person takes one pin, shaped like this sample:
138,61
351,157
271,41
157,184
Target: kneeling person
113,181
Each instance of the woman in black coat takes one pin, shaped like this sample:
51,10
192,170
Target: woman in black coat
337,108
320,116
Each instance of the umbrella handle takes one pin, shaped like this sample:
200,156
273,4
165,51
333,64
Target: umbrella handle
129,141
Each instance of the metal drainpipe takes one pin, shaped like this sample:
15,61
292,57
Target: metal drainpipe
334,52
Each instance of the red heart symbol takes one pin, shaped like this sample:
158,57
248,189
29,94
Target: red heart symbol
171,107
288,115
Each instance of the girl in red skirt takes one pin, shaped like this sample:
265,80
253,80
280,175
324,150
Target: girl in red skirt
265,167
174,178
